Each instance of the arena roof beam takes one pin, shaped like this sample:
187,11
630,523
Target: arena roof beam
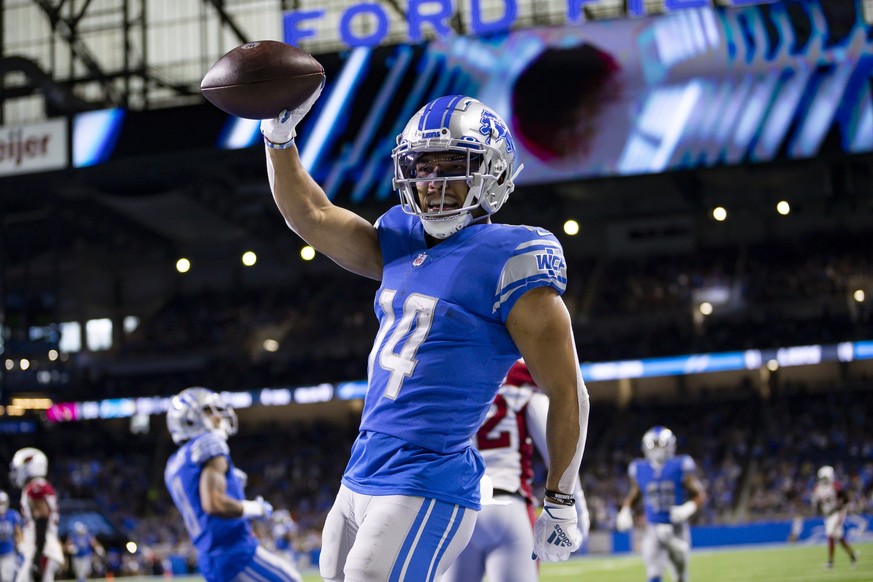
227,20
66,28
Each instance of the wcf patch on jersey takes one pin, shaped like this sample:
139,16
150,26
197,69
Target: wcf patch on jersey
551,262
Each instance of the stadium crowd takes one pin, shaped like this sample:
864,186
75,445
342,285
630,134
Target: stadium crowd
757,456
762,296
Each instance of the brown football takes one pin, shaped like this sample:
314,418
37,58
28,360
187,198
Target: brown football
259,79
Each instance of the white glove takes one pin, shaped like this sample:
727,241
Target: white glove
556,534
583,517
280,131
680,513
257,507
624,520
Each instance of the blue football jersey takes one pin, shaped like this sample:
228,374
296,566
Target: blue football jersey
224,545
8,522
81,544
442,351
662,488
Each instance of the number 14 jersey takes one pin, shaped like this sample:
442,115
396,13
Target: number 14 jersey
441,352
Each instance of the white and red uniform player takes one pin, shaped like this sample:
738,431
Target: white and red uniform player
832,502
503,538
41,547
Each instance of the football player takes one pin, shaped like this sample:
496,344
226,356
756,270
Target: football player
503,535
208,492
284,531
461,299
832,501
10,538
82,546
671,494
40,546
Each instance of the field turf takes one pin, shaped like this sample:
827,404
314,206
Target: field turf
779,563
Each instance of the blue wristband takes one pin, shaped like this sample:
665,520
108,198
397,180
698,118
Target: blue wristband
279,146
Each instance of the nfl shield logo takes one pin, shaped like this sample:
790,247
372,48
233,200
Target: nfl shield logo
421,258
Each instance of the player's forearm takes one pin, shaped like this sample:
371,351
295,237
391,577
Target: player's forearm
336,232
299,198
221,505
566,434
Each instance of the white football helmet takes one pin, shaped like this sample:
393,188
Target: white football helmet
26,464
282,516
187,415
4,502
476,139
659,444
826,474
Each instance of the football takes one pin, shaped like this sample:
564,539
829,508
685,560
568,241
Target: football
259,79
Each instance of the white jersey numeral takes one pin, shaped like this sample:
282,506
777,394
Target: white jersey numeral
418,310
177,491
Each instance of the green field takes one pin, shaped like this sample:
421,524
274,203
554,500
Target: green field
801,563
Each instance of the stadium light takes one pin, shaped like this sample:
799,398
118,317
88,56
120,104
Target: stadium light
783,208
859,296
571,227
719,213
183,265
249,258
705,308
307,253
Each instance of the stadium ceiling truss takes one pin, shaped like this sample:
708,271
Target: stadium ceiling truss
59,57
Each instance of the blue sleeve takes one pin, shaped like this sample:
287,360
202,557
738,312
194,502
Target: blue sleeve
207,447
536,261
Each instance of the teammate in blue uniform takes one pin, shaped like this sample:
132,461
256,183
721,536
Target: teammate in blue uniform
671,494
10,537
283,532
208,492
460,300
81,546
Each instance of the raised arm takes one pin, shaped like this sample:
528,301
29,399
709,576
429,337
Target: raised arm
348,239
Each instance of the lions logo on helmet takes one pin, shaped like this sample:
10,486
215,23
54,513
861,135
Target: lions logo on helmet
659,445
26,464
473,135
192,411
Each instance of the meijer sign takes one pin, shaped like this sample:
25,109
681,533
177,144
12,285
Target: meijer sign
33,148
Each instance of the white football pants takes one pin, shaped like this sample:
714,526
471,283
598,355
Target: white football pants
392,538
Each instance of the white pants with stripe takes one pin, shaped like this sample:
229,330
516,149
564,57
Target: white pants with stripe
392,538
265,566
665,543
501,545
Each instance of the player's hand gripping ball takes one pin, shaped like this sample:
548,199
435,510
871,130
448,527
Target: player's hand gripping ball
259,80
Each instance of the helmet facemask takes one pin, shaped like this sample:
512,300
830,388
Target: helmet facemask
659,445
226,415
475,149
190,412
